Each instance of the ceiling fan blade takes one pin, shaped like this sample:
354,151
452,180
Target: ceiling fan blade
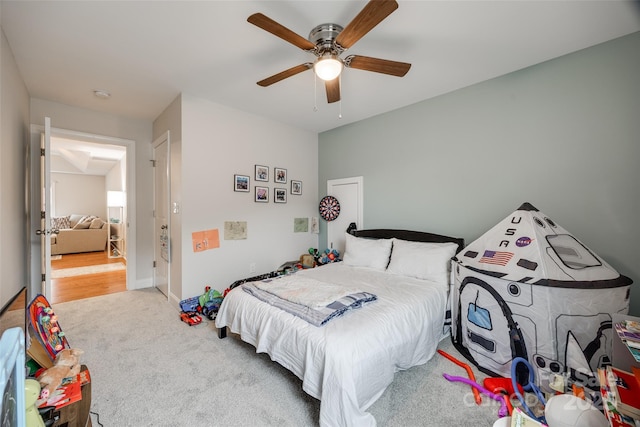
333,90
393,68
371,15
268,24
285,74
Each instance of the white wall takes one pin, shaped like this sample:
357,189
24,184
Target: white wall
216,143
563,135
14,126
79,194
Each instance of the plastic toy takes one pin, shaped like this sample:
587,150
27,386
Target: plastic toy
32,391
500,385
502,412
189,304
530,386
45,323
476,394
209,302
190,318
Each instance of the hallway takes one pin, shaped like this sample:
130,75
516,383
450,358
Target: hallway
87,285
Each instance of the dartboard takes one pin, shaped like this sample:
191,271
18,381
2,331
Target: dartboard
329,208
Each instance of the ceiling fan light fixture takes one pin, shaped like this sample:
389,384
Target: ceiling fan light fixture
328,67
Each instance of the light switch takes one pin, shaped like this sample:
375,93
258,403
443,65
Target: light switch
176,207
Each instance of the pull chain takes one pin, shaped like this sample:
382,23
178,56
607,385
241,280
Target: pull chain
340,102
315,92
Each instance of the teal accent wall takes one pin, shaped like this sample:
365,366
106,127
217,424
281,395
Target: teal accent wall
563,135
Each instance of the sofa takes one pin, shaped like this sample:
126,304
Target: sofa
78,233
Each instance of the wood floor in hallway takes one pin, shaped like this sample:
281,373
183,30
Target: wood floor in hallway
89,285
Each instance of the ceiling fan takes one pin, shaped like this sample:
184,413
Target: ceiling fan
328,41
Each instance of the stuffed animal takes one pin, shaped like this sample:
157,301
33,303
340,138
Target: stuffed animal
67,364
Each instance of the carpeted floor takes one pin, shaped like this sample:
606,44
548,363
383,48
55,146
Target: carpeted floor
150,369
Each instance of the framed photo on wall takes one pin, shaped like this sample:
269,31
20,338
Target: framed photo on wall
296,187
241,183
279,195
280,175
262,173
262,194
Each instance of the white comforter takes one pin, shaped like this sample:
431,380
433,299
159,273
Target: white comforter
349,362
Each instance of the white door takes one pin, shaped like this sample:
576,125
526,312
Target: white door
45,209
349,192
162,242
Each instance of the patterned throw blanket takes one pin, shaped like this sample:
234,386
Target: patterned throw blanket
305,290
316,315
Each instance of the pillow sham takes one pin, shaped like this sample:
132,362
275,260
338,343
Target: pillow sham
361,252
422,260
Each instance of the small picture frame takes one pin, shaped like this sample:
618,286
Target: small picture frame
279,195
262,173
280,175
262,194
296,187
241,183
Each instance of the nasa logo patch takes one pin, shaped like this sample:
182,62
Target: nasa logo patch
523,241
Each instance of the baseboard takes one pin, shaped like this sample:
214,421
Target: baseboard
175,302
141,284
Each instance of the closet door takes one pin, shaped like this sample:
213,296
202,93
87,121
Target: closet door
162,226
45,229
349,192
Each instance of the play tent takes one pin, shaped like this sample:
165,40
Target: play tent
528,288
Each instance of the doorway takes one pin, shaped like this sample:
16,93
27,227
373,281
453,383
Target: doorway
85,176
349,192
161,222
81,169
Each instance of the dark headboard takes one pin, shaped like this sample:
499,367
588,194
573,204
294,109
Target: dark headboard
413,236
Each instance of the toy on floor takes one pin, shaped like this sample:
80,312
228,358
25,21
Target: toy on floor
476,394
530,386
502,412
500,385
567,410
191,318
66,364
207,304
210,302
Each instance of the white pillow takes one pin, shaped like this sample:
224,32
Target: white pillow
361,252
422,260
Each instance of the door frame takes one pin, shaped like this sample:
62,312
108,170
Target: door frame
357,180
129,144
164,137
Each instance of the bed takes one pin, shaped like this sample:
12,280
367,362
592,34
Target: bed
348,362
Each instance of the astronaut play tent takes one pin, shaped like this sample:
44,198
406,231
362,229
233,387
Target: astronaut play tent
528,288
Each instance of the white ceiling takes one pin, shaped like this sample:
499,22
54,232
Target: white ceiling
84,157
147,52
